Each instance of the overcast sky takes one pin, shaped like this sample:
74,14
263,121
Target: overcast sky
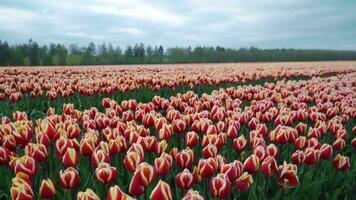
326,24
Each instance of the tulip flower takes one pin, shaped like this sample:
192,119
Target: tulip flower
135,187
70,158
87,146
191,139
99,156
243,182
220,186
161,147
252,164
179,126
9,142
132,160
311,156
21,191
341,163
230,170
196,175
192,195
260,152
232,131
269,166
89,194
146,174
272,150
47,189
288,176
313,143
105,173
4,155
25,164
184,179
185,158
162,191
298,157
300,142
69,178
207,167
353,142
210,151
339,144
239,143
115,193
162,165
325,151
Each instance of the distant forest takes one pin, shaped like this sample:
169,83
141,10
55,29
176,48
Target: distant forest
31,54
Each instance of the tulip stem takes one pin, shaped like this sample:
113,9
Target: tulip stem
266,187
283,195
68,194
207,188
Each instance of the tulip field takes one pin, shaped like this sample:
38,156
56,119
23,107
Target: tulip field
189,131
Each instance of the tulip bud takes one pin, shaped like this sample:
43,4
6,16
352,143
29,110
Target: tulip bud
288,176
196,175
184,179
191,139
252,164
301,128
353,142
135,187
87,146
260,152
244,182
232,131
239,143
230,170
146,173
298,157
311,156
99,156
300,142
162,191
87,195
313,143
220,186
162,165
70,158
207,167
132,160
105,173
161,147
185,158
47,189
179,126
115,193
4,155
210,151
272,150
341,163
339,144
325,151
69,178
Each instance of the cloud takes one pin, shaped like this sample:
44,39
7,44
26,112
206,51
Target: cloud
230,23
138,10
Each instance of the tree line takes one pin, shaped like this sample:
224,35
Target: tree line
32,54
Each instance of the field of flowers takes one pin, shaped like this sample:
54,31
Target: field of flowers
227,131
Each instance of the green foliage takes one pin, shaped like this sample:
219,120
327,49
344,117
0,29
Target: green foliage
57,54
